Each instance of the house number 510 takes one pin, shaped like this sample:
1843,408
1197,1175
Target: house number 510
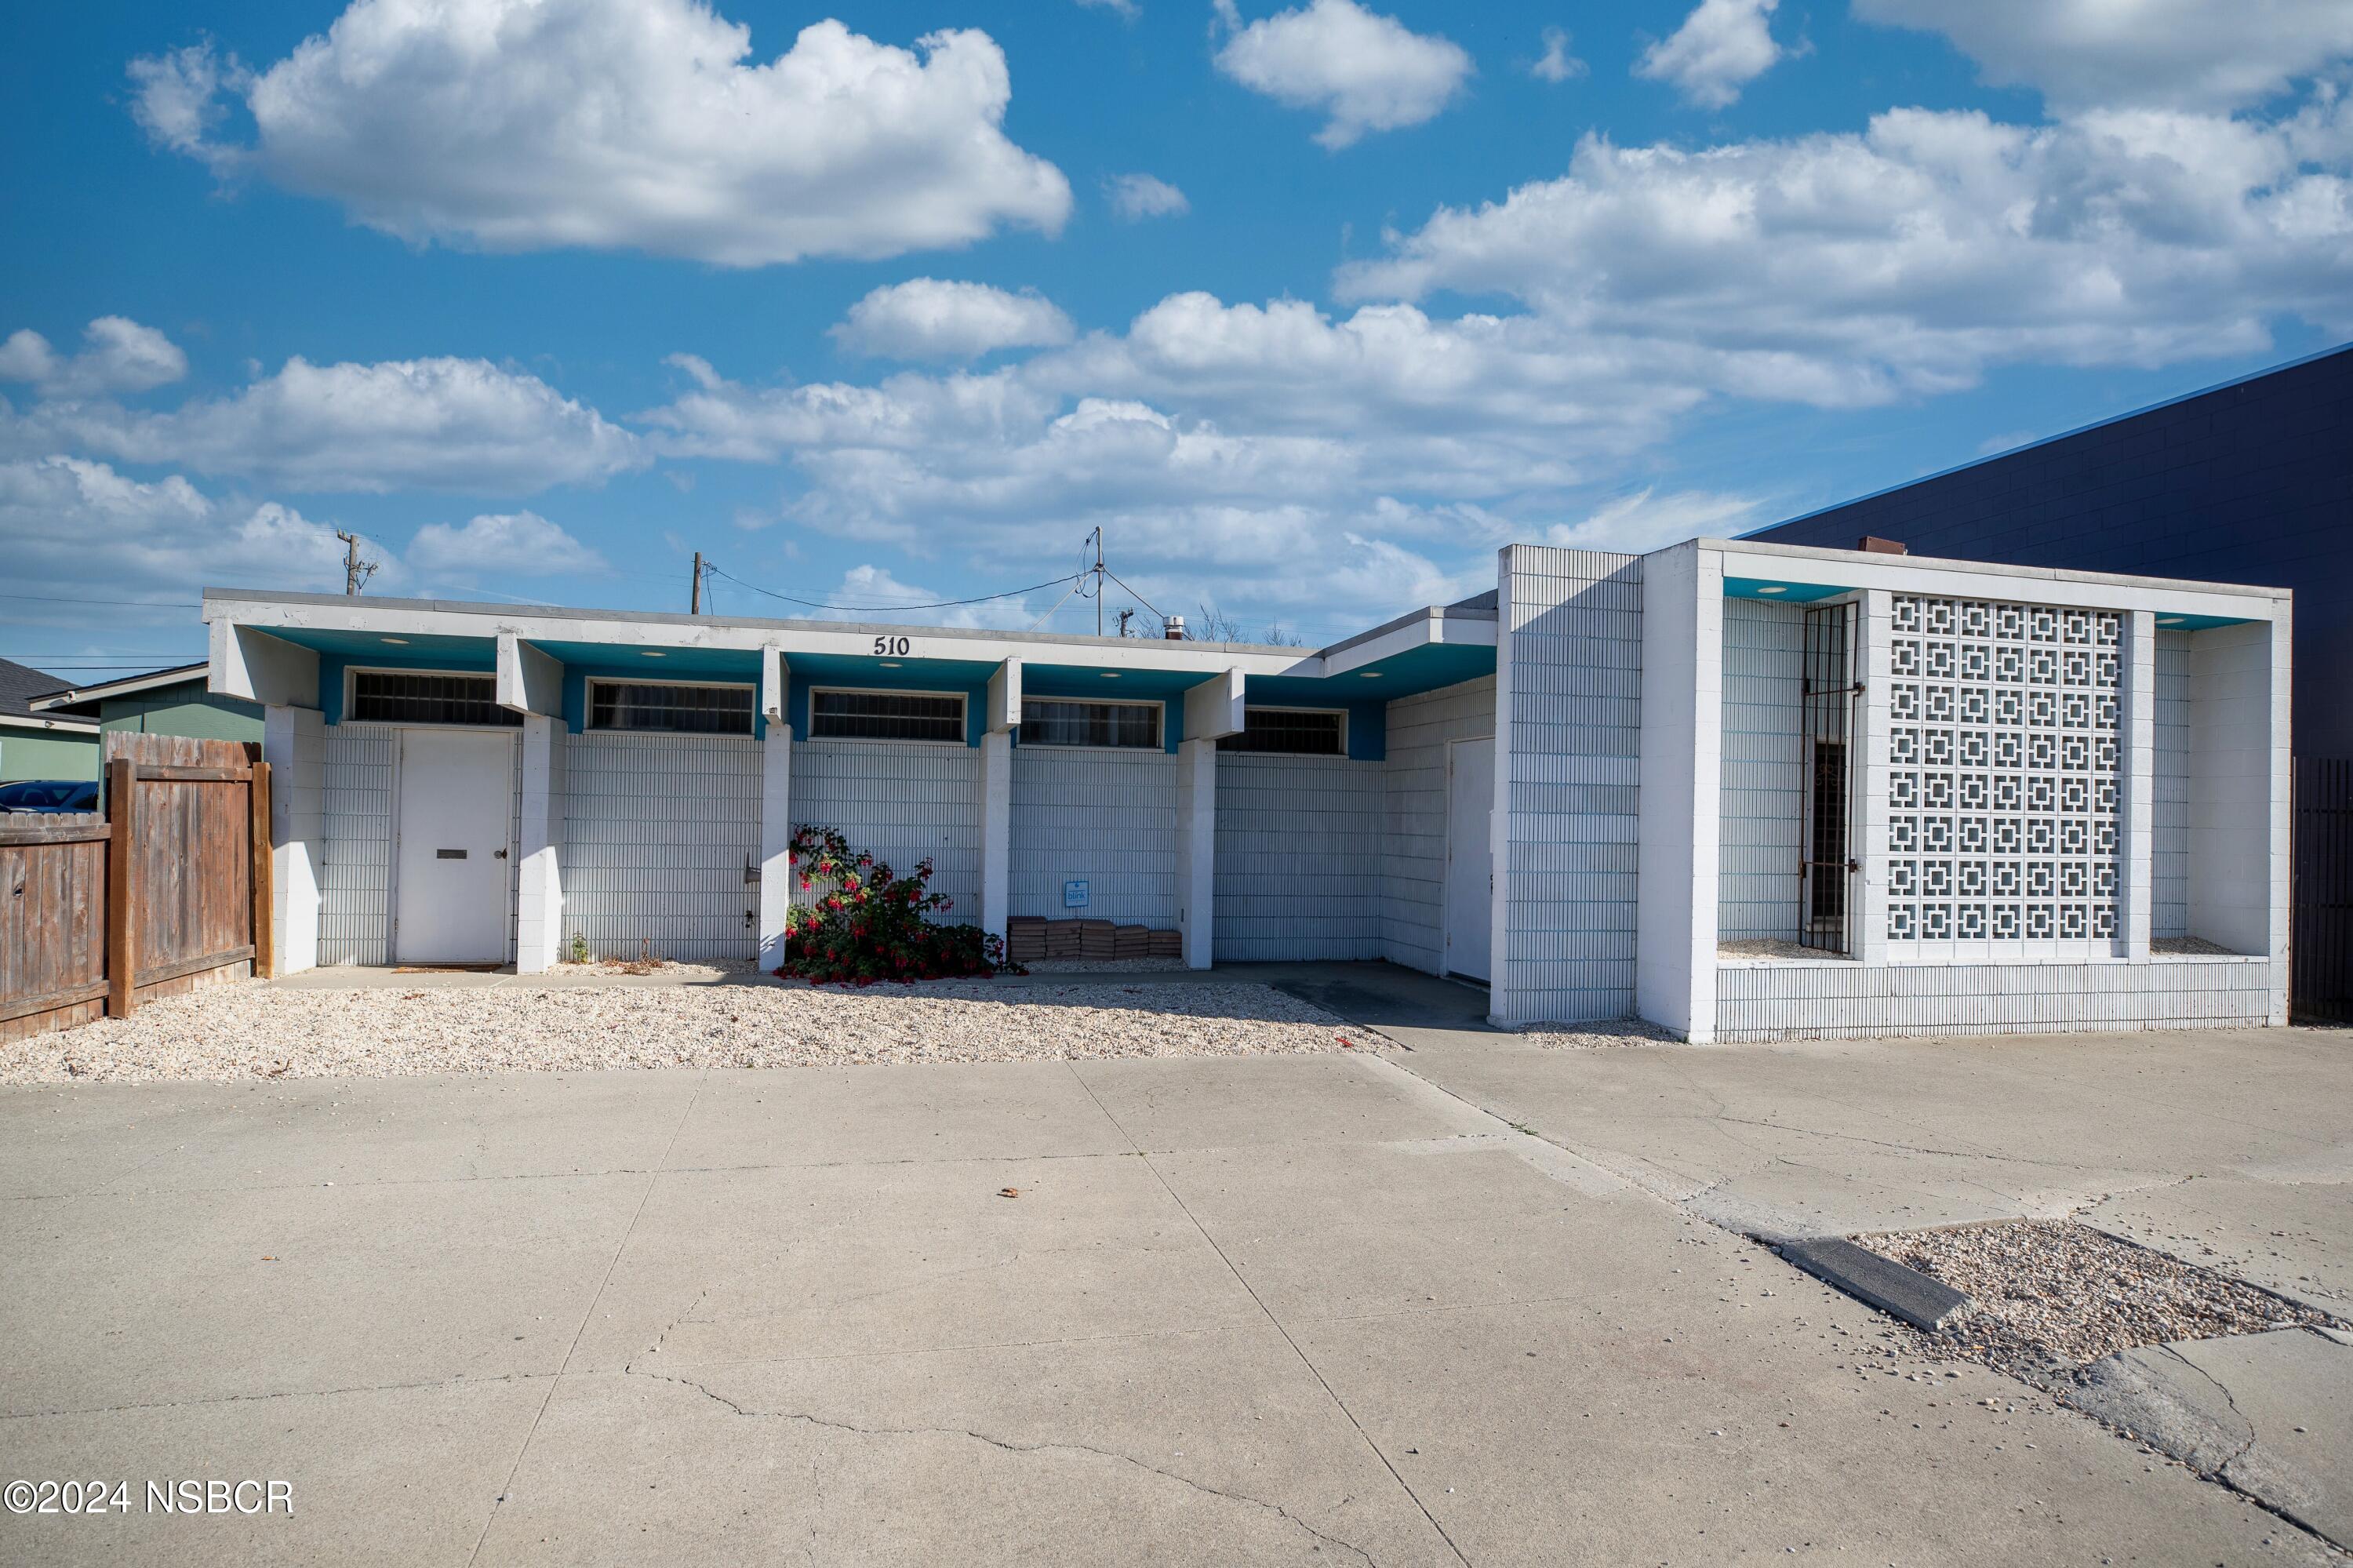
884,647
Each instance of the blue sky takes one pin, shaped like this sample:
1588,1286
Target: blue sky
541,299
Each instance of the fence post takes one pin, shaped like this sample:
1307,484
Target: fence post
121,957
265,954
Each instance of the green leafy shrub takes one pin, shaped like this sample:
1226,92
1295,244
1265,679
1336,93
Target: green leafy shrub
868,923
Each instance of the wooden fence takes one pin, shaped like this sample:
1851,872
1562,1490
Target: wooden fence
168,890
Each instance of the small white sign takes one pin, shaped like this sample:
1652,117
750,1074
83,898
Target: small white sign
1075,896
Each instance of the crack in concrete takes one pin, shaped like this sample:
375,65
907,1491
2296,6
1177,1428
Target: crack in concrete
1908,1148
1010,1446
287,1393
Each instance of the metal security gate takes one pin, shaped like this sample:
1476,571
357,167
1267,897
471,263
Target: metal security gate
2320,941
1826,872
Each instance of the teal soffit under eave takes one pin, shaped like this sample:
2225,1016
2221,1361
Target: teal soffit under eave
1771,590
1784,591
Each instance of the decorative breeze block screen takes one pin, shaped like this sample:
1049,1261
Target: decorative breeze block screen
2002,779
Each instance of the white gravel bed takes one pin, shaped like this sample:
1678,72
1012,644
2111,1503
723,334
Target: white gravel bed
1770,948
1593,1036
2052,1295
253,1030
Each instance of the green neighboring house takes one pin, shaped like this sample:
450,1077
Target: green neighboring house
161,702
34,744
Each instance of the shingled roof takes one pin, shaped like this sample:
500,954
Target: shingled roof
20,683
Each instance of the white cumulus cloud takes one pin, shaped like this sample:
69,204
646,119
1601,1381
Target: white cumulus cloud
1137,196
118,355
2193,54
643,124
80,528
1646,520
521,543
444,424
1364,71
1722,47
1556,64
1844,269
930,318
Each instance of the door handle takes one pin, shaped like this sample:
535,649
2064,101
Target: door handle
500,854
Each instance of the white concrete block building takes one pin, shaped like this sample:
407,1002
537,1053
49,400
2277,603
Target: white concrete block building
1748,791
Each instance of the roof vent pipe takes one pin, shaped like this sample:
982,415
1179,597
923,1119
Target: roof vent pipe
1175,629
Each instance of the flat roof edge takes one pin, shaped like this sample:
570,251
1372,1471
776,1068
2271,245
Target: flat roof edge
226,598
1997,568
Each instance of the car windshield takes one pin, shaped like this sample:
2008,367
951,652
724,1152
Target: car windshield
38,794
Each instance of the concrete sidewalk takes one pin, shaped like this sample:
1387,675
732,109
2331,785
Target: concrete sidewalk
1305,1309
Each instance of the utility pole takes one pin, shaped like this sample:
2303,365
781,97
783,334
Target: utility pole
694,597
1124,617
356,571
1099,579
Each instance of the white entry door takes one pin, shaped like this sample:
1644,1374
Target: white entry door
1470,856
456,814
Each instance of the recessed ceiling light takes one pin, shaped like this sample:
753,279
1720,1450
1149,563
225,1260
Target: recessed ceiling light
1773,587
653,652
2168,621
1108,674
1369,674
889,664
397,642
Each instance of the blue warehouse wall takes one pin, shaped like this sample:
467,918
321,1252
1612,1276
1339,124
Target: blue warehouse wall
2251,482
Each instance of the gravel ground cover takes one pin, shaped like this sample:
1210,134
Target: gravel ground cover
2053,1296
1591,1036
254,1030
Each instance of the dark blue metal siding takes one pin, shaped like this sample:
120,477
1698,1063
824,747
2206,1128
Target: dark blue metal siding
2252,482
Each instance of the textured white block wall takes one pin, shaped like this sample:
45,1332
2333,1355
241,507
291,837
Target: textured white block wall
1569,767
1106,816
2169,854
1298,858
900,801
1850,1001
1763,801
355,892
658,830
1413,839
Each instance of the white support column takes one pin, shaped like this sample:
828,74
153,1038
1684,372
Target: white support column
995,824
1004,697
260,668
776,685
539,902
1681,773
775,838
1196,848
1867,935
1213,709
2279,740
1499,814
294,744
2137,813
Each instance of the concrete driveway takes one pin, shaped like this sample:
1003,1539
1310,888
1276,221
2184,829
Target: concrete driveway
1311,1310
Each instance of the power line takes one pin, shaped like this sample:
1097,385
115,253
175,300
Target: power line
938,604
139,603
